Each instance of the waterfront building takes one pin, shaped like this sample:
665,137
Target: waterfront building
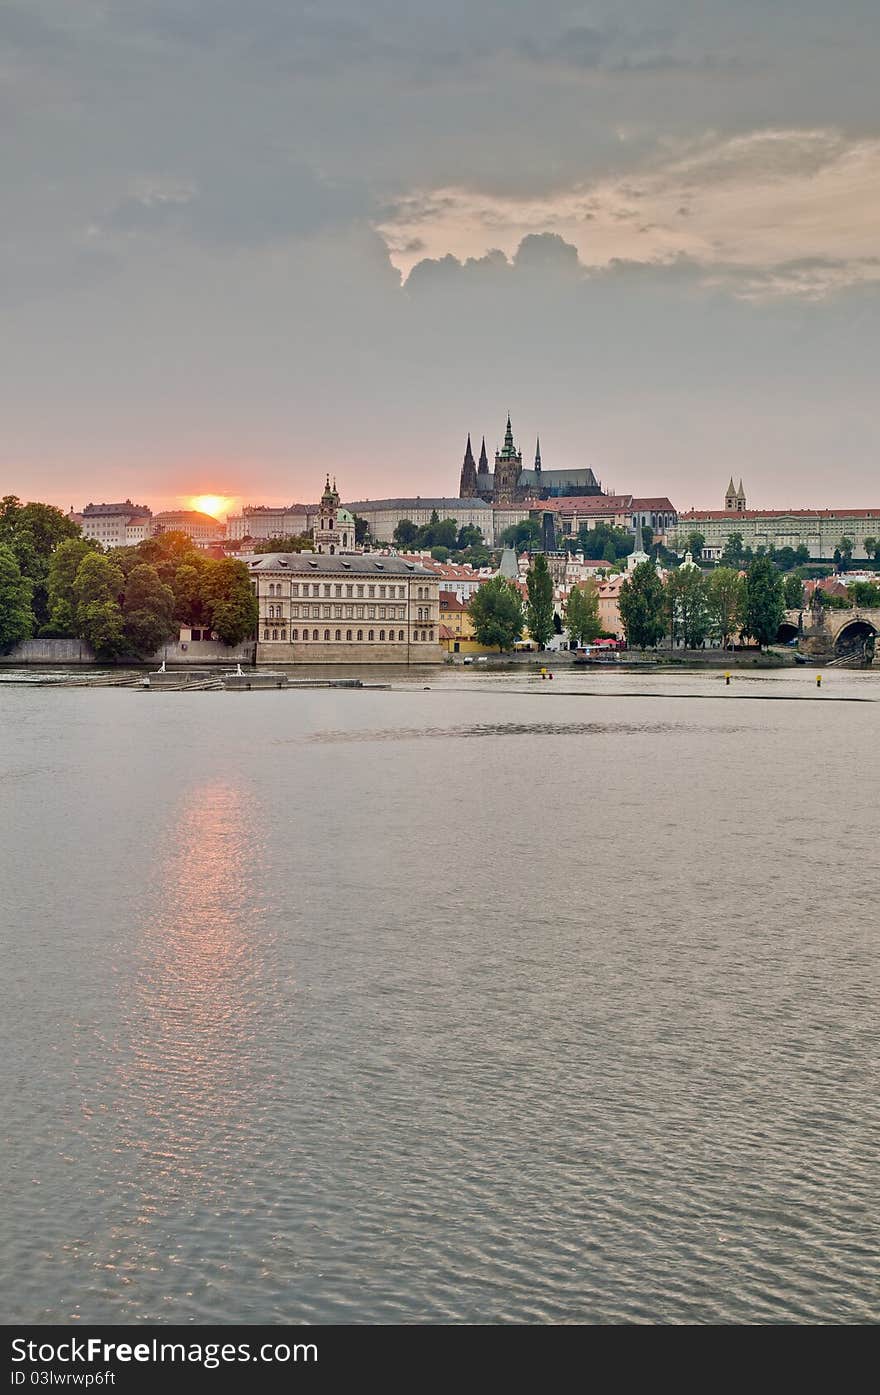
201,527
115,525
318,608
509,483
819,530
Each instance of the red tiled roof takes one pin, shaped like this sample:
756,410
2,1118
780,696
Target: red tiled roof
710,515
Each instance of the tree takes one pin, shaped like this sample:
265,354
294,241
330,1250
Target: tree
793,591
16,617
726,598
469,536
844,551
539,607
230,601
865,593
764,602
63,567
148,610
33,531
641,606
687,597
733,552
361,529
582,612
297,542
496,613
595,541
872,547
405,533
96,590
695,543
525,534
188,585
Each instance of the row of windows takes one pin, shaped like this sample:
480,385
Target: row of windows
390,593
339,612
425,636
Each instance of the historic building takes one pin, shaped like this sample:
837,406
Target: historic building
333,530
819,530
201,527
323,608
510,483
115,525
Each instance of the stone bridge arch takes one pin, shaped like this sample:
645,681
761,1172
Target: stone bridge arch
856,631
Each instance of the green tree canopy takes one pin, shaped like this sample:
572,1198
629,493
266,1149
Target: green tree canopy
405,533
16,617
148,610
582,612
764,602
230,601
539,607
33,531
525,534
865,593
793,591
726,600
687,598
296,542
642,605
733,554
63,567
496,613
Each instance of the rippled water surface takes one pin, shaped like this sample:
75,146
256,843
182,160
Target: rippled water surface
502,1001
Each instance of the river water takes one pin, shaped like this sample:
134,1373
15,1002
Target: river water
505,1001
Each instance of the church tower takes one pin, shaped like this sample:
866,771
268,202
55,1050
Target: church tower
538,468
333,529
730,498
468,486
741,497
508,468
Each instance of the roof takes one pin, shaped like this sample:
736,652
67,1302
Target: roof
450,571
322,564
450,600
126,507
188,516
584,503
710,515
374,505
248,509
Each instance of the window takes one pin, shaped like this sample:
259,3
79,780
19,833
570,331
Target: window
314,634
371,590
382,635
338,591
391,635
371,612
359,612
430,636
349,590
326,634
294,636
372,634
348,634
294,612
382,593
337,612
274,634
360,591
360,634
400,634
284,634
349,612
265,634
294,589
327,588
381,612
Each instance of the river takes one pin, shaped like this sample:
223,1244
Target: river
480,999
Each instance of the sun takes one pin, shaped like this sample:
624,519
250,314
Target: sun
214,504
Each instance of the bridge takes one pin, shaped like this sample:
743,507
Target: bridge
833,633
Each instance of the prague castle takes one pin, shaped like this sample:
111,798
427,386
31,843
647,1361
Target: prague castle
509,483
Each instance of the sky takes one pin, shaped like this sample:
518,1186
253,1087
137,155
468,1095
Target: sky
244,245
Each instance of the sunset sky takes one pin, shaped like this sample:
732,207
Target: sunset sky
247,243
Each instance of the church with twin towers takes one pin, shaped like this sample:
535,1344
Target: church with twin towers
509,483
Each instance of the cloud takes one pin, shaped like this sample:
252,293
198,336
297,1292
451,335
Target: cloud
792,211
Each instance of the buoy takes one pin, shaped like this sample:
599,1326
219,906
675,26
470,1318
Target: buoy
727,679
550,676
818,680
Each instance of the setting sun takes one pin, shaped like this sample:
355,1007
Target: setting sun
215,504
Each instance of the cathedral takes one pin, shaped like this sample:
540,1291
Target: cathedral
509,483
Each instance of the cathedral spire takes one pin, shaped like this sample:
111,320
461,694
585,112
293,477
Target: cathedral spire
468,483
538,455
508,437
484,459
